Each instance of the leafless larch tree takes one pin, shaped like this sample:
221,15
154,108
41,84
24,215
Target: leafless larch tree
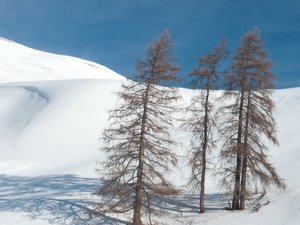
137,142
201,122
249,122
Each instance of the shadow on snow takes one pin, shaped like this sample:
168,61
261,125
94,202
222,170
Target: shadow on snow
65,199
61,199
182,204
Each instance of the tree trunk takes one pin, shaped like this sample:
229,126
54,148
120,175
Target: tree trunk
139,184
137,207
205,142
236,191
202,191
237,178
138,193
243,183
245,156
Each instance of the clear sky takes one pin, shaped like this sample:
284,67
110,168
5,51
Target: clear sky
115,33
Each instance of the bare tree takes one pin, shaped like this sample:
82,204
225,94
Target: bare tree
201,122
251,120
138,143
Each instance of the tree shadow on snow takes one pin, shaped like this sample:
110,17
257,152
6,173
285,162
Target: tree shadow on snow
182,204
61,199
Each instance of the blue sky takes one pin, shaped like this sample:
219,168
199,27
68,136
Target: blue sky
115,33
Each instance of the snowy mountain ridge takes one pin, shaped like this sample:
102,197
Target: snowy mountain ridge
35,65
50,125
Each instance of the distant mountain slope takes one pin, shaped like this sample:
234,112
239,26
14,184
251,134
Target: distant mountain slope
20,63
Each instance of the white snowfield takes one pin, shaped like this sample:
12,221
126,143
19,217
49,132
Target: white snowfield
50,127
20,63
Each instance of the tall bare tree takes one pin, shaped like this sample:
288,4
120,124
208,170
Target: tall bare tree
201,122
138,143
251,121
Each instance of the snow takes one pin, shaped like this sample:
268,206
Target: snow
20,63
52,111
17,218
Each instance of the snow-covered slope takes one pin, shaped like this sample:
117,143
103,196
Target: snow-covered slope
49,149
20,63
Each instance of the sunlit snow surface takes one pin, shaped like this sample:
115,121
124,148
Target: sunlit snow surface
49,147
20,63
